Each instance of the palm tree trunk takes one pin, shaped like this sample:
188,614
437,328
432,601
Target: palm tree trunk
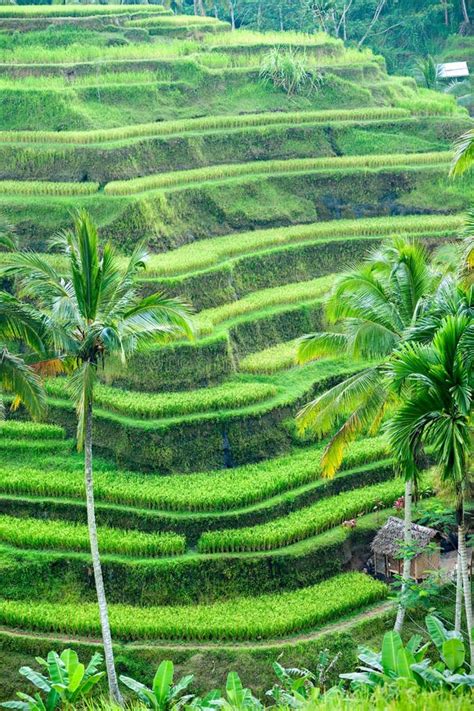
465,13
458,611
407,539
466,584
99,580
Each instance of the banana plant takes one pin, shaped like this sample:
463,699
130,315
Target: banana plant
295,686
238,698
164,694
65,682
398,662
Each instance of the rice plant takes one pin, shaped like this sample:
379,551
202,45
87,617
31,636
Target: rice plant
305,522
207,123
181,178
39,187
155,405
62,535
209,252
31,473
288,70
264,299
237,619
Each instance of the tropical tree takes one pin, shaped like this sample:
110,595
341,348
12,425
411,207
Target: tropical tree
93,310
463,154
436,381
372,307
20,324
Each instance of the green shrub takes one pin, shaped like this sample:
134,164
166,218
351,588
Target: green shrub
237,619
288,70
306,522
59,535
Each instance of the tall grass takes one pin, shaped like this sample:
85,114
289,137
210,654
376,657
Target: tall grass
61,535
207,123
296,165
237,619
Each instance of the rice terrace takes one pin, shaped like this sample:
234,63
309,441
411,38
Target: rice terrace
237,366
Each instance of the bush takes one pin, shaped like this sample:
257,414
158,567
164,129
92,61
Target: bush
288,70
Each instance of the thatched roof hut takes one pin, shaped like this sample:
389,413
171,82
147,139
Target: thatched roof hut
388,543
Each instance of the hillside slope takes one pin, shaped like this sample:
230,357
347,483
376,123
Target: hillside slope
251,201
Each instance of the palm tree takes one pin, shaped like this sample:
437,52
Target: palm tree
93,310
463,154
372,307
20,324
437,382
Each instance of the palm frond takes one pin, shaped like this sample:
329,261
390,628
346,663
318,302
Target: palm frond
362,419
81,385
21,380
321,414
316,345
463,154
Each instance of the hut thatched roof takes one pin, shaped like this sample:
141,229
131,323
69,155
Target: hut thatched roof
388,539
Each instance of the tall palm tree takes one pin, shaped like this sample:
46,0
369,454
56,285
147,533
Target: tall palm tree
372,307
93,310
437,382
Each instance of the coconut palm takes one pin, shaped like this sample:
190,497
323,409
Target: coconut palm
436,381
93,310
20,324
464,154
372,307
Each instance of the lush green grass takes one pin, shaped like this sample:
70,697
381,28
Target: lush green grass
207,123
223,172
155,405
220,490
237,619
305,522
59,535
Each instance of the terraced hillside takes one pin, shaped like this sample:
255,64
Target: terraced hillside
251,201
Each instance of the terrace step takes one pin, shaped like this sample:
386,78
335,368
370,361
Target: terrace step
238,619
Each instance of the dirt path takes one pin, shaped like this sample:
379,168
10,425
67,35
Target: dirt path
335,627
